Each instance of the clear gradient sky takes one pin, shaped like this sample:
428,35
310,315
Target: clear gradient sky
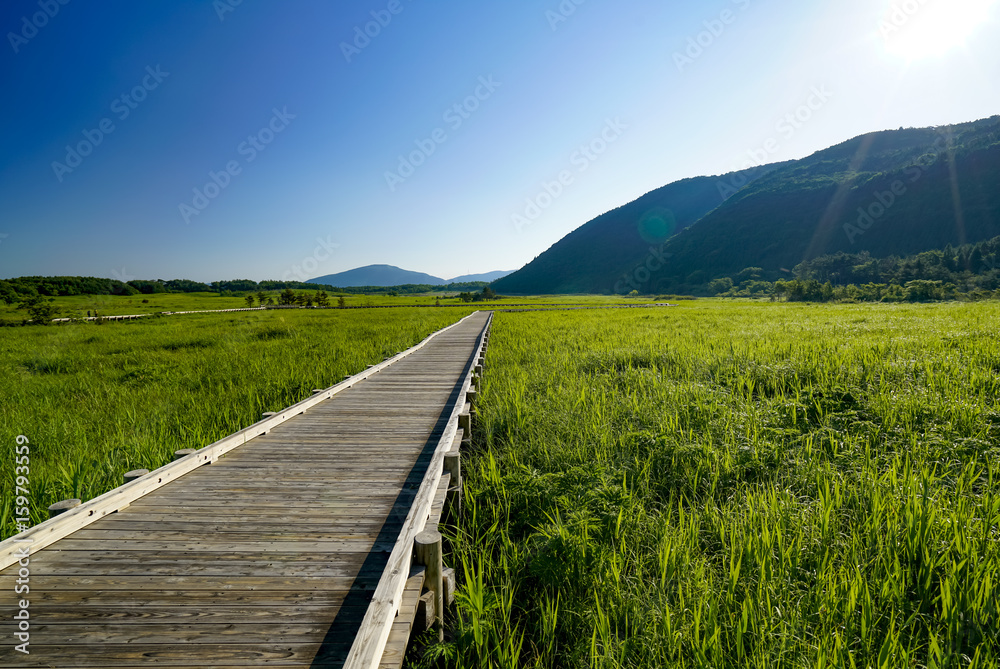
309,128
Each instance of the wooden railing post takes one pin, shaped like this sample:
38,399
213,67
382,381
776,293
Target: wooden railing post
63,507
428,546
465,424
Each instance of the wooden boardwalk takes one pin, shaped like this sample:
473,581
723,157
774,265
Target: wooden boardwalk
269,555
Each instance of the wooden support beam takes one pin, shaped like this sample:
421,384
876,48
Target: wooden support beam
449,586
411,594
426,613
428,545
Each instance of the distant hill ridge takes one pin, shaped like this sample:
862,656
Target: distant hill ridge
896,192
389,275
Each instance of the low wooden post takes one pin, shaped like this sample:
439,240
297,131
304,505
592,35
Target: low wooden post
268,414
465,424
183,453
453,466
63,507
471,395
135,474
478,371
428,548
317,391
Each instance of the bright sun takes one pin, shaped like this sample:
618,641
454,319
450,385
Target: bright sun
916,29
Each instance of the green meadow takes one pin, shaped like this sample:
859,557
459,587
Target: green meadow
735,485
98,400
78,306
716,484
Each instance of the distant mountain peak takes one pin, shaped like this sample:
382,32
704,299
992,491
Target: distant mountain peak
389,275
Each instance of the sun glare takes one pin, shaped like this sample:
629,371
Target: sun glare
915,29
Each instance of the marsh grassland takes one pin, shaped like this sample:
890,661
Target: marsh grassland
735,485
96,401
719,484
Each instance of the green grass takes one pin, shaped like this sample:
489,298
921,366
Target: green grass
119,305
720,484
77,306
735,485
96,401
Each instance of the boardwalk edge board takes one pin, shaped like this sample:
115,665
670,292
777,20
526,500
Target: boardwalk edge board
373,635
56,528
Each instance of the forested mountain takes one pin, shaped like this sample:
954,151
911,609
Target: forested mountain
377,275
887,193
592,258
384,276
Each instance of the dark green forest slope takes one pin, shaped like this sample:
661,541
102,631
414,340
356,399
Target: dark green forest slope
592,258
888,193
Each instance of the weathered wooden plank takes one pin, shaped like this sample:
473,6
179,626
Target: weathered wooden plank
111,555
56,585
206,536
266,653
96,616
227,632
167,596
248,546
328,522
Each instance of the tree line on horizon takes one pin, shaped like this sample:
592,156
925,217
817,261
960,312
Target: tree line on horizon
14,291
970,271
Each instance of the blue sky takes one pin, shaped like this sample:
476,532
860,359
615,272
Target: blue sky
322,136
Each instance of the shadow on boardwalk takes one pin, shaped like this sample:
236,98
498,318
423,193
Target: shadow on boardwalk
339,638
